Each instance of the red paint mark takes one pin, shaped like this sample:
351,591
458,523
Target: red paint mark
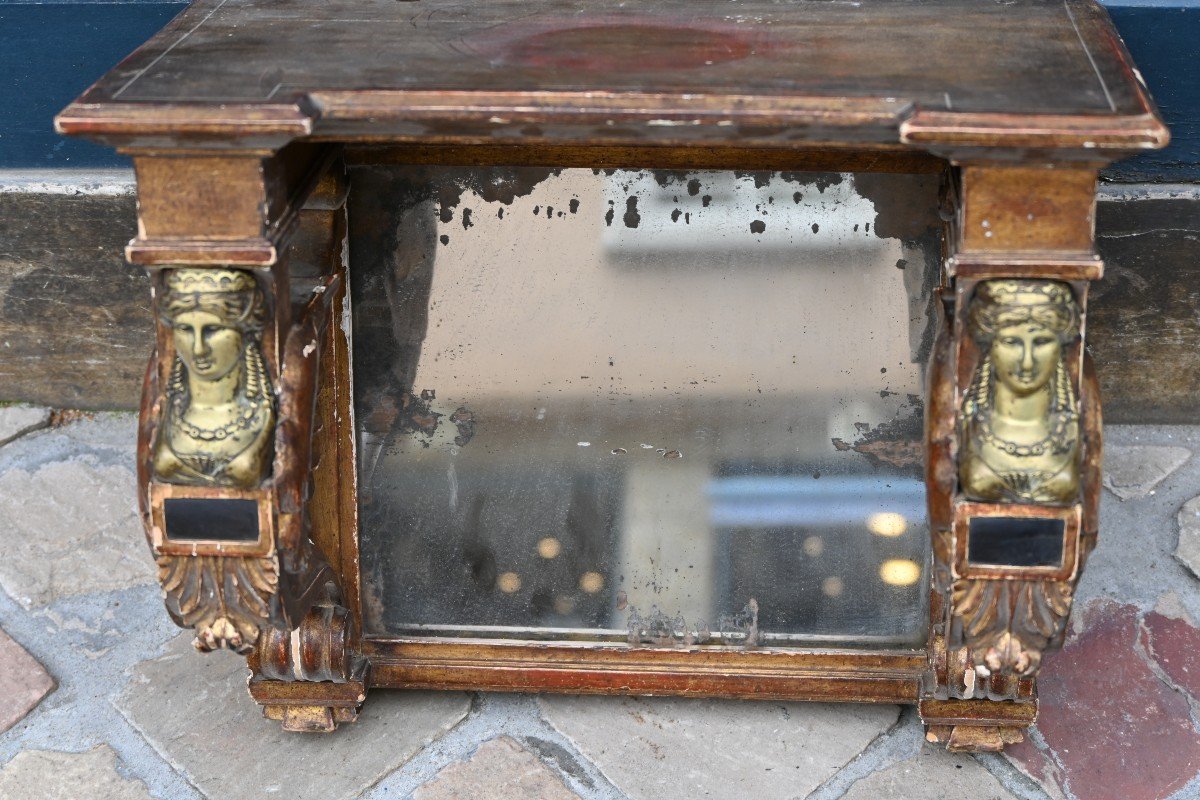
616,43
624,48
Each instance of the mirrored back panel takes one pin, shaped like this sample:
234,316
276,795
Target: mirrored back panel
662,408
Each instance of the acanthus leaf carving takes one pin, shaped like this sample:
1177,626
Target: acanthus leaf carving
1006,625
227,600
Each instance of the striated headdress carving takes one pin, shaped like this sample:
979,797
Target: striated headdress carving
232,294
1000,303
192,280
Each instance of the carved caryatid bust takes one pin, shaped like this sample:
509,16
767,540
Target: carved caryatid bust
217,424
1020,419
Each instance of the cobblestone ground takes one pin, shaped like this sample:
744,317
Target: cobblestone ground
101,697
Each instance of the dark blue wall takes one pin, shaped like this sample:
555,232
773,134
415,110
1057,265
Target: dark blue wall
1164,40
50,52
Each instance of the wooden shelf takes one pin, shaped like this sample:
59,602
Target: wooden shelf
952,77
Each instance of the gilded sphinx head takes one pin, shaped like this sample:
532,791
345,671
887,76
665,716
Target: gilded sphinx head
212,314
1021,327
1019,423
217,424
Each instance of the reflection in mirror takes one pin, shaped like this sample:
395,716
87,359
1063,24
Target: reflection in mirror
659,408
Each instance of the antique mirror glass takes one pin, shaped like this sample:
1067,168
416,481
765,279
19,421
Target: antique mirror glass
654,407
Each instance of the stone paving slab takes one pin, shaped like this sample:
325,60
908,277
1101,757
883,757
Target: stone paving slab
70,527
194,709
1173,642
1132,471
1188,549
931,774
499,770
1132,561
23,682
51,775
68,516
1108,727
17,421
684,749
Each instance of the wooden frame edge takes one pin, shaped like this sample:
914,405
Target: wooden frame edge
776,674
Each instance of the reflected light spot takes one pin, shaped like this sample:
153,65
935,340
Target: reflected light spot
564,605
591,582
887,523
899,572
549,547
508,582
832,586
813,546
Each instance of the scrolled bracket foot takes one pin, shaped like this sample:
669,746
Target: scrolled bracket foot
974,738
1013,475
312,706
310,719
224,454
976,726
316,650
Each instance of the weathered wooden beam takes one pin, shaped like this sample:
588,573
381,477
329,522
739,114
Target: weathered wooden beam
75,322
1144,317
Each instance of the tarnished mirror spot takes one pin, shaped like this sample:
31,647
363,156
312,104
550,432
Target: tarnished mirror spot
895,443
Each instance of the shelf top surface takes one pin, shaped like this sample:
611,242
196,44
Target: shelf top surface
795,70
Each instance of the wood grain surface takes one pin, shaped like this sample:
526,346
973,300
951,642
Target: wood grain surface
916,73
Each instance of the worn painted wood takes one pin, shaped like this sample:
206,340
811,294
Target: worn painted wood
90,37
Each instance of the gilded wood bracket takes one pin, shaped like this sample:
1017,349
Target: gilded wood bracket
1013,447
219,502
225,441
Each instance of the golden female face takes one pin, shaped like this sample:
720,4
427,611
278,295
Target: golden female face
208,346
1025,357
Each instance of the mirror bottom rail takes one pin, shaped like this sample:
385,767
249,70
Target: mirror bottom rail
868,676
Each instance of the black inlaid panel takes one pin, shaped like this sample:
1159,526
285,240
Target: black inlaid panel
211,519
1015,541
